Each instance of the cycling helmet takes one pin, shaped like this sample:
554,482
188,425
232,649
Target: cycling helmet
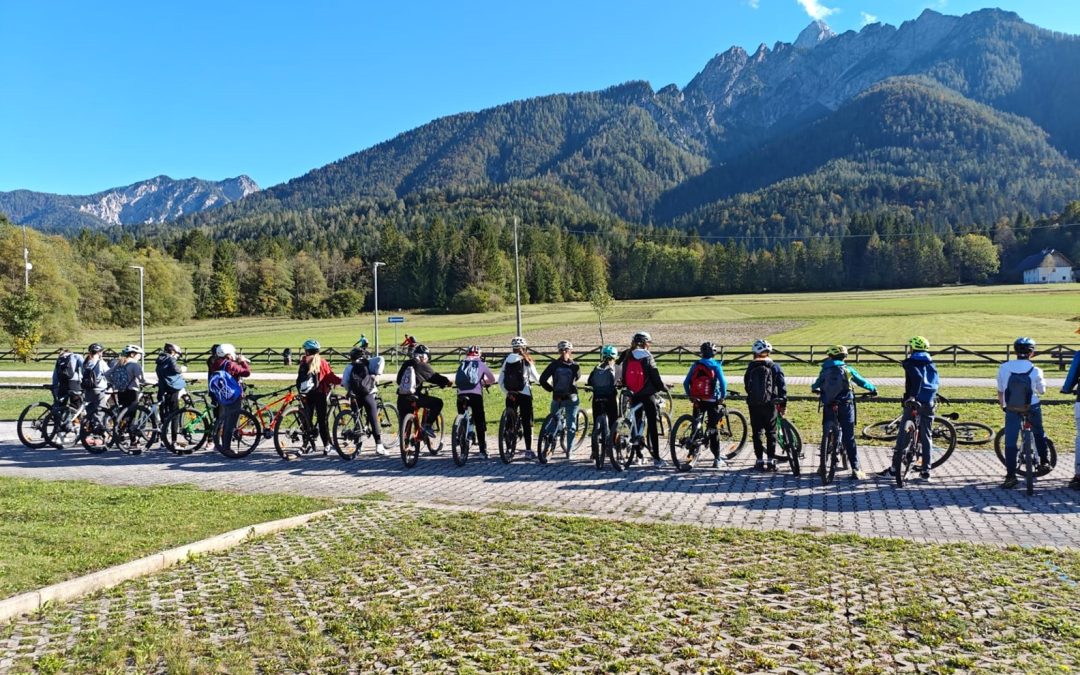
836,350
518,342
1024,345
173,347
225,349
356,352
421,350
132,349
565,345
919,344
609,352
641,338
761,346
473,350
95,348
312,346
707,350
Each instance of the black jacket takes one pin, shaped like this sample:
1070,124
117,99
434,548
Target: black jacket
424,373
549,372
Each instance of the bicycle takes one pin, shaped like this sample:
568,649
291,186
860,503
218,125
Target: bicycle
351,426
188,428
294,432
1027,460
135,426
412,433
463,434
831,441
511,429
789,441
943,435
691,434
904,458
65,423
630,436
555,427
602,436
50,423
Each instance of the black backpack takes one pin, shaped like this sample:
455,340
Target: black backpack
361,381
1018,392
514,376
562,381
65,369
91,376
760,388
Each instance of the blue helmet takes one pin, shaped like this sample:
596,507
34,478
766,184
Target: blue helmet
311,346
609,352
1024,345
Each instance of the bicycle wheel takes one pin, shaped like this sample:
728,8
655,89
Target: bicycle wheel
973,433
600,439
291,436
791,441
246,436
348,433
388,425
95,435
1028,453
666,402
686,442
903,458
33,421
545,442
887,430
620,445
942,441
410,441
185,430
732,434
459,440
582,430
144,428
66,431
435,445
999,450
663,425
509,427
828,458
129,433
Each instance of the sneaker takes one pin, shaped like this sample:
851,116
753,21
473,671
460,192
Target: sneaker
483,453
1075,482
380,450
1043,469
428,431
658,463
925,475
325,450
717,463
771,466
885,472
759,466
529,454
858,474
1010,482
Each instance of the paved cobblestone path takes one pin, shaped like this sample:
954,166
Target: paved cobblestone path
963,503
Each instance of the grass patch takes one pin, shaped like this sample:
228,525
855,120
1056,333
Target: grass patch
394,587
56,530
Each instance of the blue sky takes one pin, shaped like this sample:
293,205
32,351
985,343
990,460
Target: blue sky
98,95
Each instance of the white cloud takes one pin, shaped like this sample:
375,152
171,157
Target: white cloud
868,19
815,9
753,3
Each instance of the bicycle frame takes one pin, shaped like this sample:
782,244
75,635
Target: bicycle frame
268,414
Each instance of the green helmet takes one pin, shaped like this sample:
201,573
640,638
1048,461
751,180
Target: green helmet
311,346
919,344
836,351
609,352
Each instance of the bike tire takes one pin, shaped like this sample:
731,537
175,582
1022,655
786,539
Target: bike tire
828,459
128,433
1029,466
790,438
145,428
545,441
292,438
973,433
886,430
942,441
95,436
620,447
508,435
685,443
389,425
459,440
410,441
32,425
435,445
600,439
999,450
185,430
59,438
247,434
348,433
732,434
582,429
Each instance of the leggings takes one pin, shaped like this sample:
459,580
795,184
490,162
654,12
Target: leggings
524,406
315,405
371,405
648,406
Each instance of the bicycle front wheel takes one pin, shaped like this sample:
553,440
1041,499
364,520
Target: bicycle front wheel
620,445
731,431
348,433
829,456
435,445
686,442
790,439
129,434
410,441
1028,453
291,437
245,436
545,442
185,431
459,440
389,425
33,424
942,441
973,433
601,437
582,430
509,426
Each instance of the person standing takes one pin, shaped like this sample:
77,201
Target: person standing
1072,386
315,378
236,368
1019,384
834,385
765,388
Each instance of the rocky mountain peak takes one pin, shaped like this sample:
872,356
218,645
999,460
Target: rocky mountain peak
813,35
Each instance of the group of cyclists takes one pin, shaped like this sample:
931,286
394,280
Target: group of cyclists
1019,385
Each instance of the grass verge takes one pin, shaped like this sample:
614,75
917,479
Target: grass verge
52,531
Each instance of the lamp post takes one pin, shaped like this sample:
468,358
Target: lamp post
375,272
26,260
142,314
517,280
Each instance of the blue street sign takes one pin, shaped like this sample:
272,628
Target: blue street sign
395,319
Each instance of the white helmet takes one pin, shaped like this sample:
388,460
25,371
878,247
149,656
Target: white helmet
565,344
517,342
224,350
132,349
761,346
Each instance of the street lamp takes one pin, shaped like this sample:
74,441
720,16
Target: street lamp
142,315
375,271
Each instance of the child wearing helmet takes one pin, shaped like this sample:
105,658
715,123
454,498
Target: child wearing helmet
833,384
560,378
126,375
472,376
921,385
1017,379
1072,386
706,386
766,389
170,380
225,358
93,382
640,375
516,375
414,372
602,382
315,378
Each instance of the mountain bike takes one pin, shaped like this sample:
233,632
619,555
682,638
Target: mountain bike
789,443
351,427
555,427
904,458
463,433
51,423
831,440
691,435
511,429
1027,461
295,433
943,436
413,436
602,435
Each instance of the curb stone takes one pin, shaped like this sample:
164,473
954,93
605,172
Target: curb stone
32,601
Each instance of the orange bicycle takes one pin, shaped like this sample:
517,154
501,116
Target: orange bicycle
267,415
412,433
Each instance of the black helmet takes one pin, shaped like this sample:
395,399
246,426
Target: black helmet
95,348
708,350
173,347
421,350
356,352
1024,345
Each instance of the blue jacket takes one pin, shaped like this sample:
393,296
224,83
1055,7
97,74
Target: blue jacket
721,384
921,378
854,374
1073,379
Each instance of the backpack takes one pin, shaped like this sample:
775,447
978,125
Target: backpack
759,384
91,376
514,376
223,387
308,383
468,374
118,377
602,381
361,382
562,381
65,368
407,382
634,375
834,384
1018,392
702,382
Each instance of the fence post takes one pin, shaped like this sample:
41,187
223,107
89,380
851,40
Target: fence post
954,350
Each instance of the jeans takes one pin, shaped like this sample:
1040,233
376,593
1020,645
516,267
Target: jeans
1012,431
570,404
763,420
1076,419
227,416
926,421
845,416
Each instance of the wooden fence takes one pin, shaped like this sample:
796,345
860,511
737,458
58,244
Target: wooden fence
955,355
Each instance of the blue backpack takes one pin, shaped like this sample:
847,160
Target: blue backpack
224,388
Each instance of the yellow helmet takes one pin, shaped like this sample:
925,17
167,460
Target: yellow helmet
836,350
919,344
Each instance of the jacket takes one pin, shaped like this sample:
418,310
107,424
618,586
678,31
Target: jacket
852,374
238,369
653,382
486,377
719,389
59,388
778,379
549,373
1073,379
169,375
921,378
530,374
598,380
424,373
98,367
326,378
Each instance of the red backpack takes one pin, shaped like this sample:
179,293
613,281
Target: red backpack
634,375
702,382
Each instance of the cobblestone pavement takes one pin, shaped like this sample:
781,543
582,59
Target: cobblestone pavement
963,503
